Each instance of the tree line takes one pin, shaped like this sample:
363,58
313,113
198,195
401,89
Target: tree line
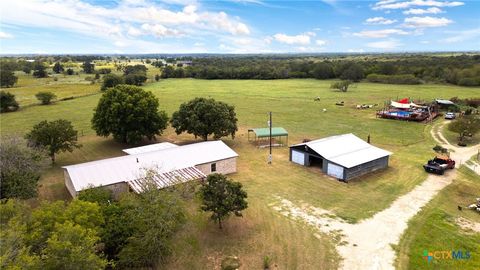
460,70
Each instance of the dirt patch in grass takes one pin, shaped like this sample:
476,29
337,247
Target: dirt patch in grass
468,225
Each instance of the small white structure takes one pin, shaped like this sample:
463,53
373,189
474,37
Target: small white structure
172,164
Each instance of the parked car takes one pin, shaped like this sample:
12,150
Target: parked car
450,115
439,165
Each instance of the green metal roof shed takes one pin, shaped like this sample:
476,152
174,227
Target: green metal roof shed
265,132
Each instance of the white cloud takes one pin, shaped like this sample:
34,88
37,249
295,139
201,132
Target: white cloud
379,20
135,32
4,35
380,33
159,30
407,4
221,21
125,18
465,35
423,22
320,42
302,39
419,11
386,45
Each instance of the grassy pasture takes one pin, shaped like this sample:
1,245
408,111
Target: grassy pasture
262,231
64,86
434,228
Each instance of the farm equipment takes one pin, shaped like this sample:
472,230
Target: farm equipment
439,165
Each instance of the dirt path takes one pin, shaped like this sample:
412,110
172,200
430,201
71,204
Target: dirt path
368,244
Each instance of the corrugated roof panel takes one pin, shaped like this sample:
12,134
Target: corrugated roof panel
149,148
346,150
127,168
265,132
168,179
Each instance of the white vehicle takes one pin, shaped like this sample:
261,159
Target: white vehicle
450,115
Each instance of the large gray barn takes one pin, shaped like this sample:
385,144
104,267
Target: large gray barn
343,156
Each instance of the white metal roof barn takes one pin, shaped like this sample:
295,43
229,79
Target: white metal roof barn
149,148
343,156
172,164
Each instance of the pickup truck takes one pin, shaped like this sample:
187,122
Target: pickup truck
439,165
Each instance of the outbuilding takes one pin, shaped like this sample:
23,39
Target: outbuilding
171,164
343,156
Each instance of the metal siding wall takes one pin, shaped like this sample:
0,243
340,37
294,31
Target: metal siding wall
366,168
69,184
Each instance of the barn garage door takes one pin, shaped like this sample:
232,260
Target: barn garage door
335,171
298,157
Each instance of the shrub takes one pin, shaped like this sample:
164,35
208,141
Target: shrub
99,195
111,80
45,97
7,102
7,78
135,79
70,71
104,71
266,262
230,263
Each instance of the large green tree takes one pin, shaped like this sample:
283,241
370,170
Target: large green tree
222,196
7,78
466,125
203,117
354,72
129,113
7,102
56,136
52,236
155,216
20,168
323,71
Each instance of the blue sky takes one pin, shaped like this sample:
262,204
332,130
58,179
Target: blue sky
237,26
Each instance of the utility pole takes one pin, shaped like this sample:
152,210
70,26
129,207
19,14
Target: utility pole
270,126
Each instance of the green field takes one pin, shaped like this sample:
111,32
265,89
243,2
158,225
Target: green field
263,232
62,85
435,228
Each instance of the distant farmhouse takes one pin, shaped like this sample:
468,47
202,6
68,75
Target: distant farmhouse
343,156
172,164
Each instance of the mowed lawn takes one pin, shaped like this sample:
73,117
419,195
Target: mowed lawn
436,228
262,231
